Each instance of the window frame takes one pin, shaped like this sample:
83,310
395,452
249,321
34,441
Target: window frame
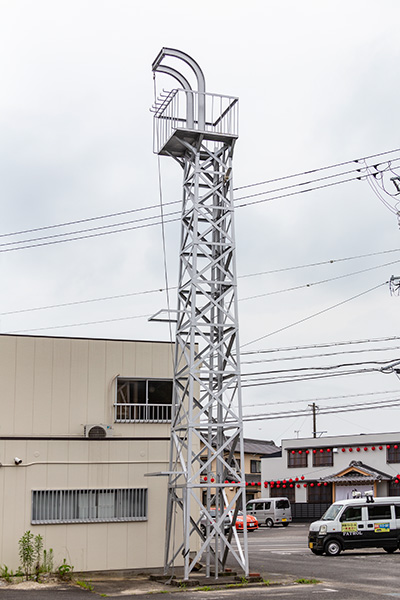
142,412
393,454
325,458
255,466
54,507
297,460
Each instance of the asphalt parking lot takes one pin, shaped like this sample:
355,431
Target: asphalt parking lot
282,558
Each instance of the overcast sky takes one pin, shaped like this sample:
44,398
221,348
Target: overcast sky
317,84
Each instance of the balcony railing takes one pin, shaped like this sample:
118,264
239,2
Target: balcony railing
142,413
213,115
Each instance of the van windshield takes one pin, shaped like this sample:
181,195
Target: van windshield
332,512
282,504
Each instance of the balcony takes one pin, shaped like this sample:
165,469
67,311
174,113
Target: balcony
142,413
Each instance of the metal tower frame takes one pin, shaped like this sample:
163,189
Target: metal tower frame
199,131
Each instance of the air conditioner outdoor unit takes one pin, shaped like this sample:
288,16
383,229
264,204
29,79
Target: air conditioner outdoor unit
97,431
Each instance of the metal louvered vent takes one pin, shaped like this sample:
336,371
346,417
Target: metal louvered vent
97,432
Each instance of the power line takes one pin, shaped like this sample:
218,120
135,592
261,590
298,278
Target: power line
324,355
314,315
319,400
327,410
312,284
323,345
162,289
124,229
334,166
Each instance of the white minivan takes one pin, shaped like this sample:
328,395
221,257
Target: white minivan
359,523
270,511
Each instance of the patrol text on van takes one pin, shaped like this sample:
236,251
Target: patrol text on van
358,523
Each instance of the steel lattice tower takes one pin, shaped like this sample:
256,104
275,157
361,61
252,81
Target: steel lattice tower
199,131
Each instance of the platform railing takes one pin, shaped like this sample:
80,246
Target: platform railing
179,110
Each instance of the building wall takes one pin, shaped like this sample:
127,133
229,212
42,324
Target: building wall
49,389
273,469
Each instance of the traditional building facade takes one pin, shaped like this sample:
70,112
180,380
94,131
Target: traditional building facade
313,473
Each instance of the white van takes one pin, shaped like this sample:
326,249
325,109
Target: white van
270,511
359,523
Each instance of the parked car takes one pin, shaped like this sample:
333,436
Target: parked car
204,520
270,511
252,523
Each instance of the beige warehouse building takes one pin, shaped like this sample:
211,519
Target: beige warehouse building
83,421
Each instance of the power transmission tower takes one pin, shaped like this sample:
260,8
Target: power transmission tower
199,131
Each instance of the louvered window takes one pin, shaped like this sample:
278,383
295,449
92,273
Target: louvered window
88,506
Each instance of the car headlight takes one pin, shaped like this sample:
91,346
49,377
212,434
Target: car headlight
322,530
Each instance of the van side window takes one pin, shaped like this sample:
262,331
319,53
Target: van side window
379,511
397,509
282,504
268,505
258,506
352,513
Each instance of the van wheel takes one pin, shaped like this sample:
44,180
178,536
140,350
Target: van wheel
390,549
269,523
333,548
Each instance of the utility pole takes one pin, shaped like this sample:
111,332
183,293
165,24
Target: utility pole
199,131
314,407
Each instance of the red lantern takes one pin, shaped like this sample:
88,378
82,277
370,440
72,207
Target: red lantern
291,485
212,479
314,452
259,483
319,484
388,446
372,448
300,451
380,447
350,449
226,481
298,485
304,485
296,479
278,486
358,449
365,449
328,449
284,481
398,475
284,485
290,480
204,478
278,483
302,477
265,484
293,451
395,446
343,449
321,450
325,483
396,481
311,484
247,483
307,452
253,483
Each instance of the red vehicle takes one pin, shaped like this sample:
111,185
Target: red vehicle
252,523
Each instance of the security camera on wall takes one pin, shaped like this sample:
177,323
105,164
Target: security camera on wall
17,460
